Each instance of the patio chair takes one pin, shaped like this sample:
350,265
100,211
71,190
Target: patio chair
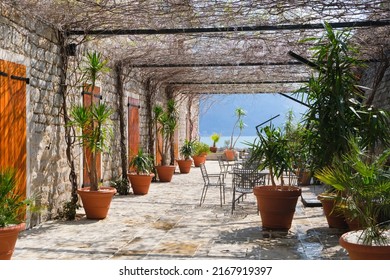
212,180
244,180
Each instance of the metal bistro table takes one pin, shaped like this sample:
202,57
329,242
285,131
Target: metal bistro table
243,182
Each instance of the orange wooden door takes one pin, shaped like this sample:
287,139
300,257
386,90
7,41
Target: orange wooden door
133,127
13,152
88,98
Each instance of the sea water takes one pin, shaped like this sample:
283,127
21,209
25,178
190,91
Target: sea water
222,141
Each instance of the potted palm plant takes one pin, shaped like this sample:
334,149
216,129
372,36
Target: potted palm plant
201,150
140,175
93,126
337,110
363,180
215,138
276,202
239,123
165,122
12,213
186,151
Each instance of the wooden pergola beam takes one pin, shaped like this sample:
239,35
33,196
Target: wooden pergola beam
167,31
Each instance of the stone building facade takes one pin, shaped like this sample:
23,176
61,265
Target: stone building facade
34,44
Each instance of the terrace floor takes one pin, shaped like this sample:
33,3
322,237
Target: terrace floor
168,223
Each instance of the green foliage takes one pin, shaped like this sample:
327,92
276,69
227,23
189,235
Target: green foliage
121,185
187,150
364,180
270,150
93,122
239,113
142,163
337,107
201,148
12,204
298,143
215,138
165,122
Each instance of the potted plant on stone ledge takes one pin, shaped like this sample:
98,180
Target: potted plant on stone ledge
215,138
165,122
140,175
186,151
275,202
93,128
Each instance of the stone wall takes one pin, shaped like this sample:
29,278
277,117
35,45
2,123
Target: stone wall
28,41
377,76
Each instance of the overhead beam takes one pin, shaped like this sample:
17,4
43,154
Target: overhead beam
167,31
214,64
236,83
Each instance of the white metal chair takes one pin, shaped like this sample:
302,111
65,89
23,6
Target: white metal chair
212,180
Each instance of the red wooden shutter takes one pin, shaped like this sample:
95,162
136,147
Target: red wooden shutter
13,152
88,98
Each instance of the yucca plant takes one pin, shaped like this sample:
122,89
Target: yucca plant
187,150
364,181
270,150
92,122
165,122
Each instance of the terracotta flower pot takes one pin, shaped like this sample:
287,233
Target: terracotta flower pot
198,160
277,205
334,217
165,172
358,251
184,165
96,203
140,183
8,237
213,149
229,154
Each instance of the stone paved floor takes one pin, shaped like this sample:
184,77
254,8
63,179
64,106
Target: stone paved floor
168,223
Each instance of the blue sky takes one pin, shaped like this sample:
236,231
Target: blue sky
217,112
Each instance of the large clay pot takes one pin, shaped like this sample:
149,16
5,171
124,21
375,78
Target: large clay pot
277,205
8,237
358,251
213,149
165,172
230,154
334,216
96,203
140,183
184,165
198,160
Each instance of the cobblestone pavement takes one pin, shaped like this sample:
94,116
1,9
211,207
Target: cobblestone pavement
168,223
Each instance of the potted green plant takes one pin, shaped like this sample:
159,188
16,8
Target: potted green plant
93,128
201,150
215,138
275,202
12,213
239,123
186,151
336,107
140,174
165,122
363,180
